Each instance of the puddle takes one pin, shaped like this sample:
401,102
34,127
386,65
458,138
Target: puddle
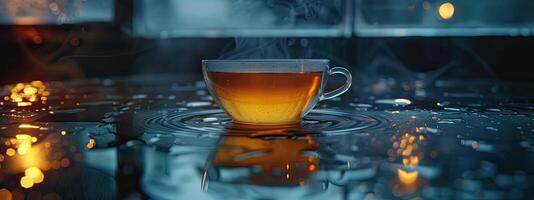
158,139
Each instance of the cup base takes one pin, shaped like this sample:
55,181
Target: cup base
245,125
267,129
260,130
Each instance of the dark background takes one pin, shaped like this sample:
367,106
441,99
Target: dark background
63,52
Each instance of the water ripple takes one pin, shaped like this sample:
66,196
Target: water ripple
215,122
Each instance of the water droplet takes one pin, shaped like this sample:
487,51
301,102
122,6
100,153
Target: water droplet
209,119
452,109
428,130
401,102
441,104
361,105
198,104
140,96
68,111
492,128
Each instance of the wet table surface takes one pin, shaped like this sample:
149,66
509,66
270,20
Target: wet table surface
165,138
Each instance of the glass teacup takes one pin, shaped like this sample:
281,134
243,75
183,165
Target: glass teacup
270,91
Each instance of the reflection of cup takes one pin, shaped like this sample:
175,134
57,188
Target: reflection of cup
270,91
264,161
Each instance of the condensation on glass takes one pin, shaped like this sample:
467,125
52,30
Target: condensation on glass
228,18
326,18
397,18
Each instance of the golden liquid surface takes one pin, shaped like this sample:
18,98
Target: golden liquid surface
266,98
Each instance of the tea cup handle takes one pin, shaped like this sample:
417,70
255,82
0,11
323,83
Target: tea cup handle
343,88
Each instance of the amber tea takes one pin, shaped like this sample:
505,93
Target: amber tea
267,98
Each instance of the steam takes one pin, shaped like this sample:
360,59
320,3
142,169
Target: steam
285,12
260,48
